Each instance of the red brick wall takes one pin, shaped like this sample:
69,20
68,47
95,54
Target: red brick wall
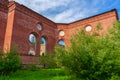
3,1
21,22
106,20
3,22
24,23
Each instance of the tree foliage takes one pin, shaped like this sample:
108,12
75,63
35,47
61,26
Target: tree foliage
48,60
93,57
9,62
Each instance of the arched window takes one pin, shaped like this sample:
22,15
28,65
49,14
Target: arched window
33,41
43,40
43,45
32,38
61,42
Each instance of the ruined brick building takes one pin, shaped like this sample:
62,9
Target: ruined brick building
34,34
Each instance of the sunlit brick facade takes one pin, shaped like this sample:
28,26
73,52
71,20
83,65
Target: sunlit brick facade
17,22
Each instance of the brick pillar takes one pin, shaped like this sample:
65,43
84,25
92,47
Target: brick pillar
9,28
38,46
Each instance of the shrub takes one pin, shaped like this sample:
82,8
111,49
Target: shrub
9,62
32,67
91,57
48,60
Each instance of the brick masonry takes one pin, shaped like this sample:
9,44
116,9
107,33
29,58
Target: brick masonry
17,22
3,22
106,20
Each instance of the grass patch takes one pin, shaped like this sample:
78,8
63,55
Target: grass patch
41,74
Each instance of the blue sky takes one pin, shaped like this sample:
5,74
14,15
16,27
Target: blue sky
66,11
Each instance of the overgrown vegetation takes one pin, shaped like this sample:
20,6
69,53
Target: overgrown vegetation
48,60
9,62
90,57
93,57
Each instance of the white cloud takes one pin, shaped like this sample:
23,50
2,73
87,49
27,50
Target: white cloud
69,16
76,12
43,5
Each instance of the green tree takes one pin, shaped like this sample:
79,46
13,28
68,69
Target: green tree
92,57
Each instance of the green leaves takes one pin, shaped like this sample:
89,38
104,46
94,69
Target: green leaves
48,60
94,58
9,62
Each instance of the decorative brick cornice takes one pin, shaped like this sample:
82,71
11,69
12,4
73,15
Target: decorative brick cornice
23,9
11,6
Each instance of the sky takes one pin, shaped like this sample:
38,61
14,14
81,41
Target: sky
66,11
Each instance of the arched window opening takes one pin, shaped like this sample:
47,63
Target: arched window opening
43,40
33,41
61,43
32,38
43,43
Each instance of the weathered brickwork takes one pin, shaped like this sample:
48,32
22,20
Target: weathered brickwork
17,22
3,23
105,20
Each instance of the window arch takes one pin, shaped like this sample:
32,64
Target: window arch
43,45
43,40
33,41
32,38
61,42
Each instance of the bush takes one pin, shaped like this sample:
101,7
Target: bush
32,67
91,57
48,60
9,62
